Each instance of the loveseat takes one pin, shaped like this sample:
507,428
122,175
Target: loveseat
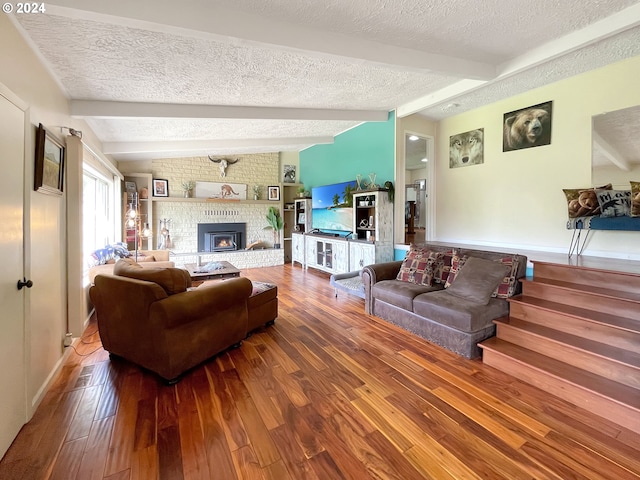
146,258
152,318
445,294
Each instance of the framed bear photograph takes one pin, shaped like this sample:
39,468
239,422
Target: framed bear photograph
527,127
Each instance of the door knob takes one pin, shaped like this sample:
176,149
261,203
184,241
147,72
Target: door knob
24,283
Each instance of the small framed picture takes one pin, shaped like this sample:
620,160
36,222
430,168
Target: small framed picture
274,193
130,187
302,218
160,187
289,174
49,168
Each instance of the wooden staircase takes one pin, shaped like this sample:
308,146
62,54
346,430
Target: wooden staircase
575,332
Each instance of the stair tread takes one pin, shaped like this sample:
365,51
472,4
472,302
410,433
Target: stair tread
589,381
608,292
600,317
620,355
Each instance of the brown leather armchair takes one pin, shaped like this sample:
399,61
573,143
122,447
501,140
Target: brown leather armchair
148,317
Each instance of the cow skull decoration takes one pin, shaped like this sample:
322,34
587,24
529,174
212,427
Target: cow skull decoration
224,163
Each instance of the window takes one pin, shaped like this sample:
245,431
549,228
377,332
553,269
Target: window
98,224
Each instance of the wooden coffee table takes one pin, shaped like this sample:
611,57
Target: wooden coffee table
198,273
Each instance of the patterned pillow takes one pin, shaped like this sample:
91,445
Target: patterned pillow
583,202
635,199
442,270
457,262
419,266
509,283
614,203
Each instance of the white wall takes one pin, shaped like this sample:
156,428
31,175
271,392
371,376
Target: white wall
45,215
515,198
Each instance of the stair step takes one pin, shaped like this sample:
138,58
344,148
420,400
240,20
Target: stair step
624,304
610,362
613,330
597,277
612,400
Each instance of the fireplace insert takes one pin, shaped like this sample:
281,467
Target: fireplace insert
221,237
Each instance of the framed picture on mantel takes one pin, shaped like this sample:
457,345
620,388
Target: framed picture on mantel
274,193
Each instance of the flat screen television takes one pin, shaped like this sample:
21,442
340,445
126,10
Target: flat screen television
332,207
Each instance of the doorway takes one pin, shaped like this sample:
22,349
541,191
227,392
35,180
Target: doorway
416,183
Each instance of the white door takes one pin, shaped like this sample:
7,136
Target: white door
12,374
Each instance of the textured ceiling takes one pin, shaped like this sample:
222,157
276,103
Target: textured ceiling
292,74
617,138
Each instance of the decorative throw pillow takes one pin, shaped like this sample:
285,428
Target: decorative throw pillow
614,203
583,202
442,270
507,286
419,266
478,279
457,262
635,199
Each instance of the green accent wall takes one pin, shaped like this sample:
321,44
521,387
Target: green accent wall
367,148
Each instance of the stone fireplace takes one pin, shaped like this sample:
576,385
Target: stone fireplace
221,237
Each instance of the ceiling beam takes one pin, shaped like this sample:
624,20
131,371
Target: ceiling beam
596,32
119,148
610,152
205,19
439,97
104,109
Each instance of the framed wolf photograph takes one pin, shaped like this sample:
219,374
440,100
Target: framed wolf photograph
527,127
289,174
466,148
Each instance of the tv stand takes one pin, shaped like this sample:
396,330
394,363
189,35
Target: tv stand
330,255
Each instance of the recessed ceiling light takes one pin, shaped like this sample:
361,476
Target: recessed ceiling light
413,138
424,160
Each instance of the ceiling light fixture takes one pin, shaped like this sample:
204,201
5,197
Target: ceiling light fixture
413,138
424,160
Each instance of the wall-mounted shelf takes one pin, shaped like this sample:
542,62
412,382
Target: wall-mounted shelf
213,200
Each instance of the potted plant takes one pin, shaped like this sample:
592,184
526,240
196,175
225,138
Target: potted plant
256,192
302,192
276,224
188,188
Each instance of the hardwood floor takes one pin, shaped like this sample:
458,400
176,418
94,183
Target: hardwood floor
327,393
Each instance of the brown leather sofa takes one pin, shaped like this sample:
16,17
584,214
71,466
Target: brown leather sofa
152,318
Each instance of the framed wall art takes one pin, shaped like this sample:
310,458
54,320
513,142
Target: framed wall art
160,187
274,193
527,127
49,163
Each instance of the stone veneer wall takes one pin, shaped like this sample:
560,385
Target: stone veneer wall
252,169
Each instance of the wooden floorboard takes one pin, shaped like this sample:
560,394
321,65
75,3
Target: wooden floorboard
328,392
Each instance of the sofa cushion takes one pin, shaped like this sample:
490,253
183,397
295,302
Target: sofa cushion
399,293
457,262
419,266
458,312
507,287
172,280
443,268
477,280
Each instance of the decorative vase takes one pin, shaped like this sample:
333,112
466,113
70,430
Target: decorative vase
187,193
256,196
